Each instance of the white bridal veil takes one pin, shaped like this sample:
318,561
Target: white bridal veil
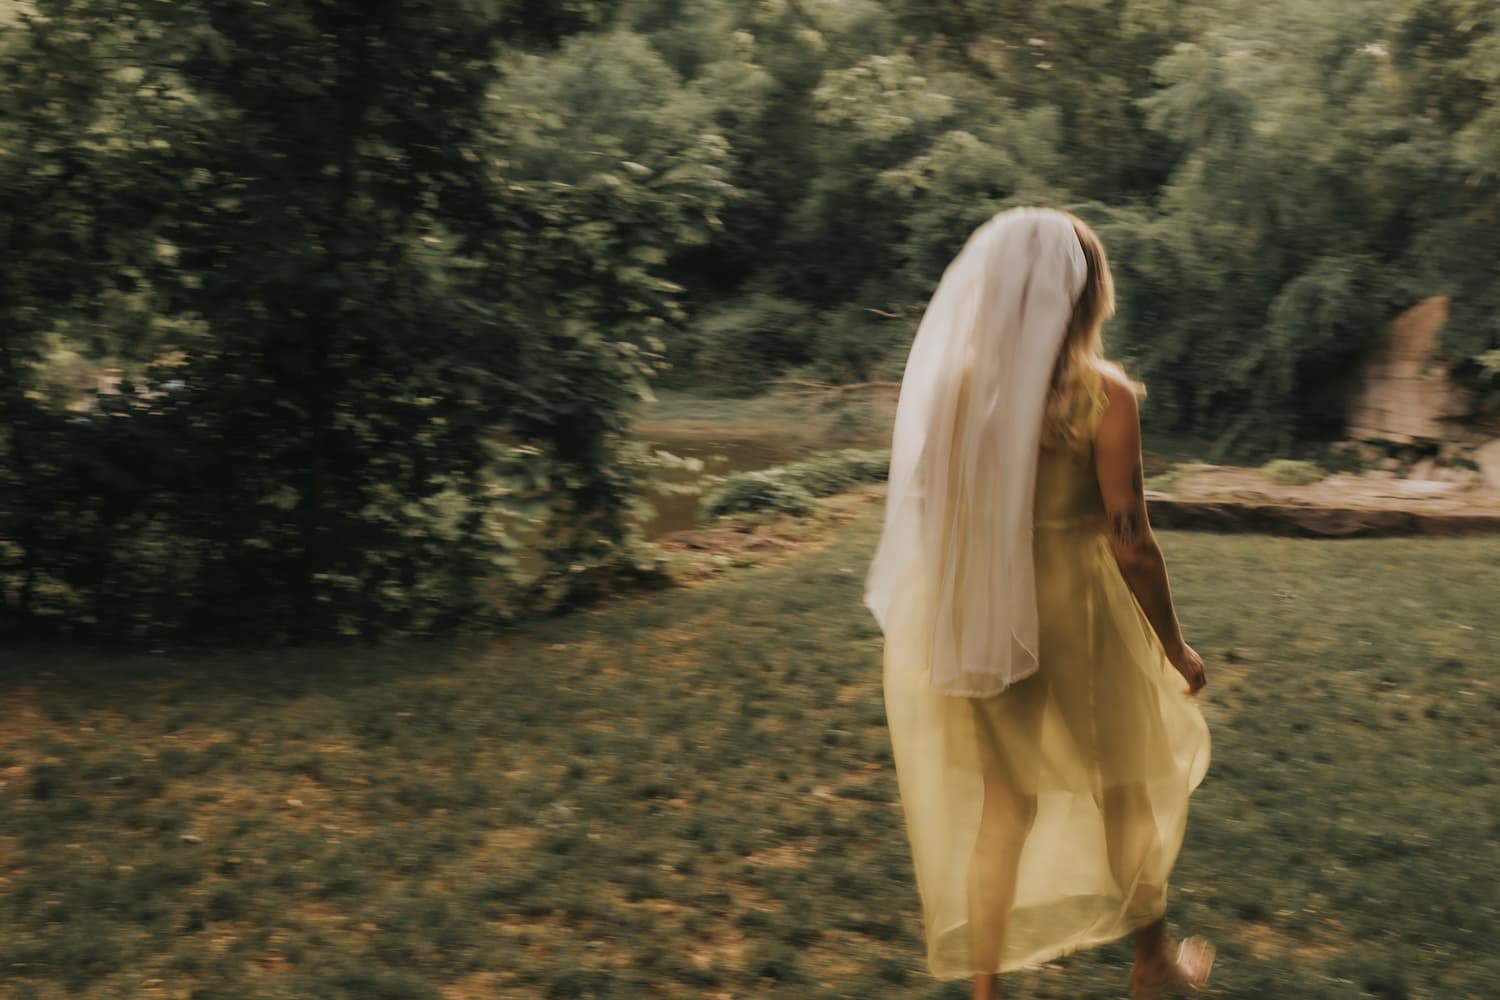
955,559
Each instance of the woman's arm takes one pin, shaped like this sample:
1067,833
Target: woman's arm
1117,458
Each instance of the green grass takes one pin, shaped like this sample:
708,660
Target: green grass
674,405
800,423
690,793
1289,472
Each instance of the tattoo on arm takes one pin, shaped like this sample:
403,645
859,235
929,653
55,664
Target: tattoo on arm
1127,525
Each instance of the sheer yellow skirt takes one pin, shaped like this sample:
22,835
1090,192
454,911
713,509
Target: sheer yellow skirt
1047,819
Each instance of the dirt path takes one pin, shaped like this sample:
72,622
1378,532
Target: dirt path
1213,498
698,555
1205,498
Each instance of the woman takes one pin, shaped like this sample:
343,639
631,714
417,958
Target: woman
1045,747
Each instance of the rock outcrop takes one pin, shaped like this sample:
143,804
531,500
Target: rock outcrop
1408,396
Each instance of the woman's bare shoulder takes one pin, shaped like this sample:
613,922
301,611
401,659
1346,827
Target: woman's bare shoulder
1121,393
1114,375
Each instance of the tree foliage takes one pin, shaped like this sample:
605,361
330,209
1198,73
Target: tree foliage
372,383
1275,182
385,279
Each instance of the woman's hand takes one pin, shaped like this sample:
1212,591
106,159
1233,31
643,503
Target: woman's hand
1190,665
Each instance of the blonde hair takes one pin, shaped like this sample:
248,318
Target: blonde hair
1083,345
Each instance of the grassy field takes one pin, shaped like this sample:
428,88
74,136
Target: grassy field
799,422
689,794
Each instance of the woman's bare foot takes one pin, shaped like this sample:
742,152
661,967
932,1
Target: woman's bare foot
1159,972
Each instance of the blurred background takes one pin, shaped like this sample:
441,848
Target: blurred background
325,320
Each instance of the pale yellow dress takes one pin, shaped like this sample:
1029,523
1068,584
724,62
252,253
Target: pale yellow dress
1047,818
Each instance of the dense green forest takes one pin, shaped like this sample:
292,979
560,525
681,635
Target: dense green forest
386,279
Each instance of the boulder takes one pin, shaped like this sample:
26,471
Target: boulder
1408,396
1462,478
1363,451
1487,457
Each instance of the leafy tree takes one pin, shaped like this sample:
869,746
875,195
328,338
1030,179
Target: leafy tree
1445,75
70,220
390,389
386,279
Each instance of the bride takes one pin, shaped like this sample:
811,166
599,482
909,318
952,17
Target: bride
1037,684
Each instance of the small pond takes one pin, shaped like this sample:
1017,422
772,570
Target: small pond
720,456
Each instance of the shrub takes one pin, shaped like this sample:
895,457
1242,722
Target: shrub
738,346
757,491
1292,473
825,475
791,489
